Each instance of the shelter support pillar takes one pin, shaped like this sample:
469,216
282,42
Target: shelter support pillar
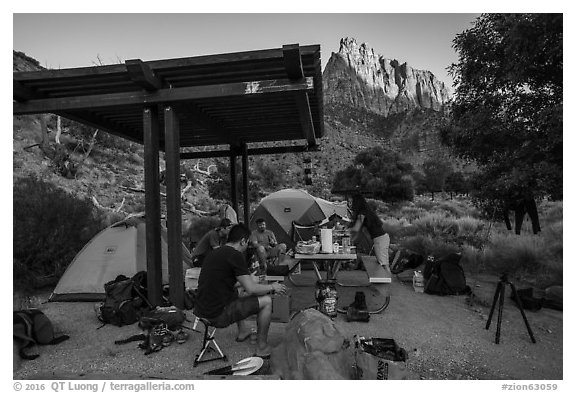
246,198
151,127
173,208
233,186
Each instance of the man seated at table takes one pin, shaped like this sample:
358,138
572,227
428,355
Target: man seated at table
265,244
217,298
213,239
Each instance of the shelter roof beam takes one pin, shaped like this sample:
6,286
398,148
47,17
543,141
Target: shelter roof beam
250,151
142,75
293,65
174,95
22,93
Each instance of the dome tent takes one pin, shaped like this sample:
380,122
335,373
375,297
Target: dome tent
280,209
118,249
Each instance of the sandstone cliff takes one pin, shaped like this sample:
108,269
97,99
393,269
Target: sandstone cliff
359,77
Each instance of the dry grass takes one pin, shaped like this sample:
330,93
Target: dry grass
443,226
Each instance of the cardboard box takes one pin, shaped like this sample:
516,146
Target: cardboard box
281,307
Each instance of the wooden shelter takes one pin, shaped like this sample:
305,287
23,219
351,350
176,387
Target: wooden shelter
256,102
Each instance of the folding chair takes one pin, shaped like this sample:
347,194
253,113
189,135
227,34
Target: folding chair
302,232
208,342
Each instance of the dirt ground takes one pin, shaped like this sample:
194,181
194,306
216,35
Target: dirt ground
445,338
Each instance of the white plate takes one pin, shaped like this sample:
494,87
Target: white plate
254,364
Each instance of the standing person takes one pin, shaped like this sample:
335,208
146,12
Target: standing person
213,239
364,216
224,210
217,298
265,243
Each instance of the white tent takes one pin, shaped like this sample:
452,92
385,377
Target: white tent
118,249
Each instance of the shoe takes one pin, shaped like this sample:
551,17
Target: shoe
181,337
167,338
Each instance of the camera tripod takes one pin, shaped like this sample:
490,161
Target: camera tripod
499,295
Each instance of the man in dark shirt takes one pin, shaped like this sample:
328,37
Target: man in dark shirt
210,241
217,298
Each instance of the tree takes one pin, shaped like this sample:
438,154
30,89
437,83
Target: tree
269,175
456,183
436,170
219,184
379,171
507,110
419,183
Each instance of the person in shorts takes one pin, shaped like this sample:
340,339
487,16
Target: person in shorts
265,245
217,297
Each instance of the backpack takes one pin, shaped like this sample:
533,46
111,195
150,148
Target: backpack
445,276
172,316
124,301
33,327
408,260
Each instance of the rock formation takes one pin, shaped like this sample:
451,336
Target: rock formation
359,77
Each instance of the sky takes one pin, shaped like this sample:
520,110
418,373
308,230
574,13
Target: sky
60,40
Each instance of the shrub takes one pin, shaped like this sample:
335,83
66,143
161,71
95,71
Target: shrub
50,227
452,208
428,245
533,259
379,207
206,204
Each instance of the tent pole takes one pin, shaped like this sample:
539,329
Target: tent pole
151,128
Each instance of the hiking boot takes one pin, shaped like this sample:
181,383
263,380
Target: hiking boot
359,301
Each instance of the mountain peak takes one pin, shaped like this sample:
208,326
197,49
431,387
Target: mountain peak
360,77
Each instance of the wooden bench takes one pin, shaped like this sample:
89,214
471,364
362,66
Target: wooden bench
376,273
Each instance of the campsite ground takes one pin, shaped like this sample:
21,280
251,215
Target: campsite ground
445,338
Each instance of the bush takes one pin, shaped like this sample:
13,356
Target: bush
427,245
50,227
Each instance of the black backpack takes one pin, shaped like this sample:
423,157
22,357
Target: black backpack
33,327
125,301
445,276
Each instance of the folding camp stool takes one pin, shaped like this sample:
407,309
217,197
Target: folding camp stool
208,343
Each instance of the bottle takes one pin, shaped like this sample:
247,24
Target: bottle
335,248
418,282
346,245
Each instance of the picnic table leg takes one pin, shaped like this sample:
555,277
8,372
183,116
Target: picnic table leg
317,271
332,272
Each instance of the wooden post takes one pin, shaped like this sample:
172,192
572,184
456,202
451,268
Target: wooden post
44,132
173,208
233,188
246,198
152,205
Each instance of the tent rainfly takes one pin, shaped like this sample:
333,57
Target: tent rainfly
280,209
118,249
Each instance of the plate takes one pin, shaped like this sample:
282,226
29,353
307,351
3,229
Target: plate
250,366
